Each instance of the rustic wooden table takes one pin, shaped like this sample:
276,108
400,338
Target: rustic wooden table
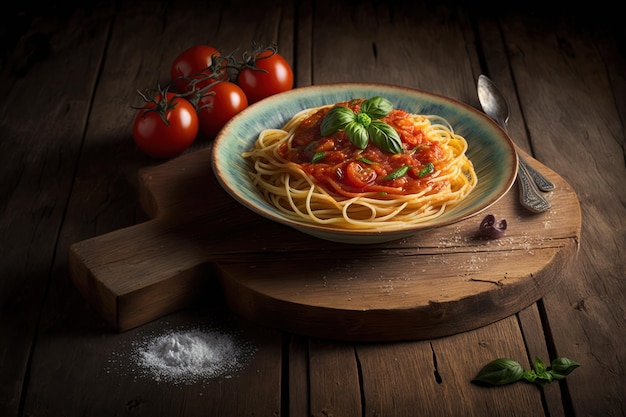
69,173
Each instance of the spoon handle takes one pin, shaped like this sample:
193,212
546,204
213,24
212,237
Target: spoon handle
530,196
542,182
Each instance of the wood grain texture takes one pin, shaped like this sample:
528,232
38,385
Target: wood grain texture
41,135
443,281
439,372
335,388
69,173
298,392
567,90
145,36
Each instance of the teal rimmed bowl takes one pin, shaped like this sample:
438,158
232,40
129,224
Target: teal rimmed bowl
489,148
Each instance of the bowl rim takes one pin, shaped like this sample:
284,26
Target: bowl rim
319,229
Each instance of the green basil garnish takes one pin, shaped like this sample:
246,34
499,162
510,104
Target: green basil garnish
365,160
561,367
357,134
318,156
426,170
385,137
376,107
397,173
501,371
336,119
310,146
504,371
364,126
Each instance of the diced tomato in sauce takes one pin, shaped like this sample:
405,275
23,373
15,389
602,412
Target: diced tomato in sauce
338,166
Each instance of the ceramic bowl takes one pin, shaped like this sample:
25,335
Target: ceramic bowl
489,148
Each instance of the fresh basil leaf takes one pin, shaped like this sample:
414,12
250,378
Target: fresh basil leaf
336,119
544,378
357,134
501,371
529,376
556,375
504,371
563,366
539,366
318,156
397,173
376,107
428,168
310,146
365,160
385,137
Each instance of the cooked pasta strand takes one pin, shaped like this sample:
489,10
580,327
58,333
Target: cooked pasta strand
298,195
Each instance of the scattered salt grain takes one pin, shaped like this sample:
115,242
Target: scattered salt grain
187,356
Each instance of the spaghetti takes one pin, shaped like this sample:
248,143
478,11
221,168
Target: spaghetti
328,180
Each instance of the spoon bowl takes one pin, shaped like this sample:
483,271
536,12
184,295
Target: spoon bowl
531,181
493,101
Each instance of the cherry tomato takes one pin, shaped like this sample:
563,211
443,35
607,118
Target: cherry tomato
222,102
268,73
358,175
195,63
158,139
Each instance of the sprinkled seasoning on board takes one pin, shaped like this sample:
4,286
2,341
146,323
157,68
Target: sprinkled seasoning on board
187,356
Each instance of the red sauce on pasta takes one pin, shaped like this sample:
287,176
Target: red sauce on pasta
348,170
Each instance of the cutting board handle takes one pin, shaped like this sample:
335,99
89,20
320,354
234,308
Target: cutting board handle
141,272
134,275
436,283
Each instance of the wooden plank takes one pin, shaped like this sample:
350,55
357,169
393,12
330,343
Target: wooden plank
68,377
101,375
535,338
42,132
585,317
570,61
143,272
426,49
389,370
303,61
298,374
334,379
491,46
439,374
101,266
497,67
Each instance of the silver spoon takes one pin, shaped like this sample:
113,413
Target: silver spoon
495,105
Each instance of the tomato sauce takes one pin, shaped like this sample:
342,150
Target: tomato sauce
337,165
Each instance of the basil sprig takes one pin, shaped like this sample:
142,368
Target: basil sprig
318,156
397,173
364,126
429,168
504,371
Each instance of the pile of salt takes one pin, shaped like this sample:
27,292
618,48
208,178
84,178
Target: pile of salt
186,356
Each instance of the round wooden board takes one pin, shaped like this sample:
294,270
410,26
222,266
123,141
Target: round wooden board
436,283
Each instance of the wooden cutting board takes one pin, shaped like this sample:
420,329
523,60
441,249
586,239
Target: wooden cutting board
437,283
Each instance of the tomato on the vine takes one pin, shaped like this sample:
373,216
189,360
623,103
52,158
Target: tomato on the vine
266,73
218,105
195,64
164,128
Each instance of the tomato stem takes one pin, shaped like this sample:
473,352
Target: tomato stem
258,53
158,97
